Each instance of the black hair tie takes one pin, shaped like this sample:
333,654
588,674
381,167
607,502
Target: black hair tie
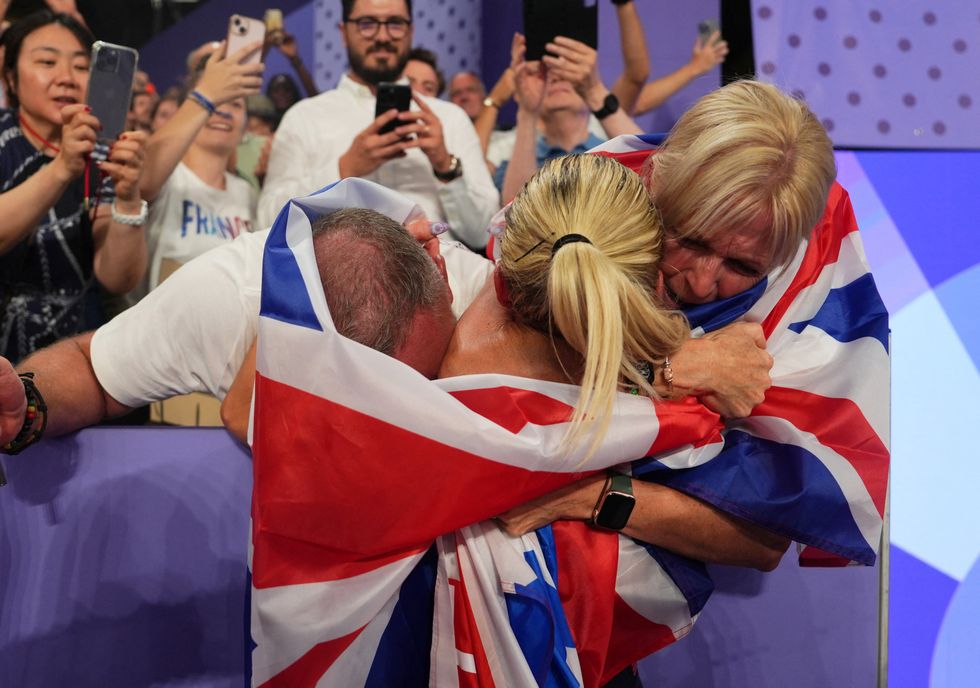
568,239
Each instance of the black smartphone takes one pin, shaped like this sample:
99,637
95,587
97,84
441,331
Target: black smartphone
545,19
397,96
110,90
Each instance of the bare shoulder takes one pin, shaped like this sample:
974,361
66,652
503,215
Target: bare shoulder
487,340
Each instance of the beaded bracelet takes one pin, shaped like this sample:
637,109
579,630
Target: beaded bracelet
28,435
205,103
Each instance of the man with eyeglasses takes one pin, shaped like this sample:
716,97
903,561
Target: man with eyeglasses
433,156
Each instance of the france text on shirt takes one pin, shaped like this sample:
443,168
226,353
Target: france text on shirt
197,220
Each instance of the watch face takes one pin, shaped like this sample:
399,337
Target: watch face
615,510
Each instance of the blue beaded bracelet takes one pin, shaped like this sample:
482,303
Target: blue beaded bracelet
203,101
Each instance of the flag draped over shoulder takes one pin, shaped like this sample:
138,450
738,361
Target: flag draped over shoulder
811,462
371,549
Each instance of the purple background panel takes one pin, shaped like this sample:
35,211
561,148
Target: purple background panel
812,627
122,553
122,557
928,194
878,74
918,599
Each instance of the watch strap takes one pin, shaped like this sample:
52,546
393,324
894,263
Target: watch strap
131,220
609,106
455,170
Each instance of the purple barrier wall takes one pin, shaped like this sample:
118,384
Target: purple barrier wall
122,561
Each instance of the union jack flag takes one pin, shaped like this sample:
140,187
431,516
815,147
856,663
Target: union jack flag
373,562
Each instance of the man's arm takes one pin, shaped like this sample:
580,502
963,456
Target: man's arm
500,94
663,517
63,374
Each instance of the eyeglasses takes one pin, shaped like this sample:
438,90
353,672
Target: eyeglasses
368,27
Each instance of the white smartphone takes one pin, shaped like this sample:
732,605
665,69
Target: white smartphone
244,31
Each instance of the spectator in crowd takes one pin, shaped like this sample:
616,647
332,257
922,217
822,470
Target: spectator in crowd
165,107
68,221
284,93
195,204
286,44
423,74
145,99
251,158
262,118
554,97
433,156
467,91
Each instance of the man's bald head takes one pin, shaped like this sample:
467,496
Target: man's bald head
382,288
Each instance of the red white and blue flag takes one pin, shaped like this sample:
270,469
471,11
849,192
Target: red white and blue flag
373,562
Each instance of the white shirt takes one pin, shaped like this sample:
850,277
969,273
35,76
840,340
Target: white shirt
188,217
191,333
317,131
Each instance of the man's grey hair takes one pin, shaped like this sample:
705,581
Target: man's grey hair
375,276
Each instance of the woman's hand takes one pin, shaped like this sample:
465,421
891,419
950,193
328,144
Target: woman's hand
125,166
727,369
13,402
225,78
707,54
78,127
576,63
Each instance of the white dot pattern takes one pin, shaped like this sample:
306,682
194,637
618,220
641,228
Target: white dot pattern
450,28
878,74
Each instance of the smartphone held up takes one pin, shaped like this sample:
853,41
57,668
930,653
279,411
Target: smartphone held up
244,31
392,97
545,19
110,91
706,29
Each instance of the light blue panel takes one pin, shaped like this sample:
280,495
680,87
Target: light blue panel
935,471
959,298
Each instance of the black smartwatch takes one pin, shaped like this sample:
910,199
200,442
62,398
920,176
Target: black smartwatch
609,105
612,511
455,170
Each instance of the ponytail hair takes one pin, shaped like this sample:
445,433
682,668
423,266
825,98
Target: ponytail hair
598,291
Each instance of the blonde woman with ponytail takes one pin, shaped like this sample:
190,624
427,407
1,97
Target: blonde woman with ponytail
575,291
580,258
575,299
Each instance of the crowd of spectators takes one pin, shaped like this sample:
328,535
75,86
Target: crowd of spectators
216,156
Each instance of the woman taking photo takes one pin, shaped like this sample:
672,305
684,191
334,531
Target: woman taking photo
67,220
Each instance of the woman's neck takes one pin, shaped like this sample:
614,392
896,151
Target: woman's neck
488,340
43,135
207,165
